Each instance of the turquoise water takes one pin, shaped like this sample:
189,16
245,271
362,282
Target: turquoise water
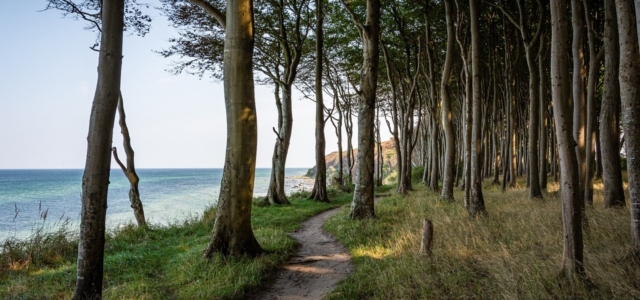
168,195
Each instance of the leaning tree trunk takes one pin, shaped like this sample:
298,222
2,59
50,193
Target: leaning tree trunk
572,259
319,192
630,95
476,203
129,170
447,113
609,112
232,232
95,180
362,204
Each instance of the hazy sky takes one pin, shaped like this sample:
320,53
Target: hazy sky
47,82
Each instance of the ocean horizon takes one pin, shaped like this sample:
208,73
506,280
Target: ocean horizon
45,198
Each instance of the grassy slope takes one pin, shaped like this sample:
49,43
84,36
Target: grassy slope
514,253
164,263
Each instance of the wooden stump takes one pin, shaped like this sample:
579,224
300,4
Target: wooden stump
427,238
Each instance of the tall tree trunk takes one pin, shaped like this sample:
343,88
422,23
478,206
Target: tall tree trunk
275,192
319,192
544,128
595,58
609,112
572,259
232,233
447,113
579,99
476,203
95,180
129,170
629,94
362,204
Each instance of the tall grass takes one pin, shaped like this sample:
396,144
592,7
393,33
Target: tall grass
514,253
161,262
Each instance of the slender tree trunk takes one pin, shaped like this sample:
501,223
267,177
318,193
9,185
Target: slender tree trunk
275,192
362,205
595,58
476,203
544,128
534,125
579,99
447,113
319,192
609,112
129,170
232,232
629,94
95,180
572,259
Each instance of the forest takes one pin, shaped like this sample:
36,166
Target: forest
516,150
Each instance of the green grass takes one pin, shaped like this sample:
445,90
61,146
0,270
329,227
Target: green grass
162,262
513,253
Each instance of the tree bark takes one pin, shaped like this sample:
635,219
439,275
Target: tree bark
232,233
572,259
544,128
629,94
476,203
319,192
579,99
609,112
595,59
129,170
95,180
447,112
362,205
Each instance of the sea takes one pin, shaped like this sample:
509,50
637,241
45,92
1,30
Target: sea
32,200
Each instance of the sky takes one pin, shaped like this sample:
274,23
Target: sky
47,82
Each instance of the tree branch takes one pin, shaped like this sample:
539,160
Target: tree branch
115,155
213,11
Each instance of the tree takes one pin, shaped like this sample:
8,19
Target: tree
595,59
286,23
204,27
629,94
319,191
447,114
476,203
232,233
572,260
129,170
610,111
362,204
579,99
110,18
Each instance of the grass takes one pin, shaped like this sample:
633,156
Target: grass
513,253
159,263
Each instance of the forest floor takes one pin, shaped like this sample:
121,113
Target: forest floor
514,252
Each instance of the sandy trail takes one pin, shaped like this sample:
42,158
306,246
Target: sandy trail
320,263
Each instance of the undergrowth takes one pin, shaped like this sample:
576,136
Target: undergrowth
513,253
160,262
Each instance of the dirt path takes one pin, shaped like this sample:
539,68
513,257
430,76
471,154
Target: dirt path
320,263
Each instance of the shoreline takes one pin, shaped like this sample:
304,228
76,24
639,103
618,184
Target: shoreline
119,214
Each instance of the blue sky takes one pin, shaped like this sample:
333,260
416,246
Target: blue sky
47,82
